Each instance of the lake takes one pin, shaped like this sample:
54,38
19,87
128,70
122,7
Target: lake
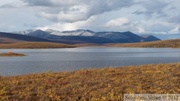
68,59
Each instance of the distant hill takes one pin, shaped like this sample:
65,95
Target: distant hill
158,44
120,37
167,36
88,36
9,37
32,45
148,38
39,34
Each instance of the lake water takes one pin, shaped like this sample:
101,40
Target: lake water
68,59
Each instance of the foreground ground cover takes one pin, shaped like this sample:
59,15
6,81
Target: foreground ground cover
105,84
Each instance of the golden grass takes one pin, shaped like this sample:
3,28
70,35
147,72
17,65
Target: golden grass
33,45
11,54
106,84
159,44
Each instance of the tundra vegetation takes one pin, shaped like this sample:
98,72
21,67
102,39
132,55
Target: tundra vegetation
11,54
34,45
105,84
155,44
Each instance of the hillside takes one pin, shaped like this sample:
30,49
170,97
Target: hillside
148,38
164,43
9,38
106,84
32,45
120,37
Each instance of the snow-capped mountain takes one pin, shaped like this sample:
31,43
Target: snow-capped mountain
86,36
39,34
79,32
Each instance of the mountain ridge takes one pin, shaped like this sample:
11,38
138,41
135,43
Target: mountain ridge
87,36
10,37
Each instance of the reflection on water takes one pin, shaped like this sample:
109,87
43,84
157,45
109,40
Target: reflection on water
67,59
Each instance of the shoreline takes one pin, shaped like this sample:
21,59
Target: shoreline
34,45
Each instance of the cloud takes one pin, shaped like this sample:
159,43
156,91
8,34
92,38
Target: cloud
176,30
51,3
72,11
141,30
117,22
138,16
175,19
11,4
8,6
75,13
38,2
152,7
123,24
85,24
155,26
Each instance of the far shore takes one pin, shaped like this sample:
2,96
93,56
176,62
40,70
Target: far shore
42,45
34,45
154,44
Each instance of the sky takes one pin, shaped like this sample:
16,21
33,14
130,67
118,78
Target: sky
137,16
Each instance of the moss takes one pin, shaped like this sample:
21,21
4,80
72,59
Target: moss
106,84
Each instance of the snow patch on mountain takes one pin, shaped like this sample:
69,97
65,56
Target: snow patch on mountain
74,33
25,31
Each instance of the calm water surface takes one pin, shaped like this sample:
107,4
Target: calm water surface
68,59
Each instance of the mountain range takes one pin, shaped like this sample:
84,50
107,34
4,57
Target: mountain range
74,37
87,36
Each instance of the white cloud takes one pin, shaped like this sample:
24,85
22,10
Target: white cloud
154,26
71,26
176,30
141,30
117,22
123,24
